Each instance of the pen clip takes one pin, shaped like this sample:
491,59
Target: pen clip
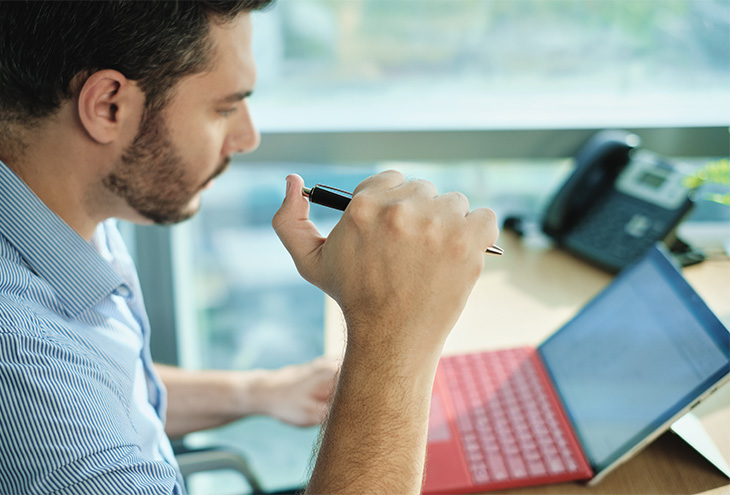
332,189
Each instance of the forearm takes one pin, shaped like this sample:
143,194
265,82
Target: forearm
375,437
198,400
401,264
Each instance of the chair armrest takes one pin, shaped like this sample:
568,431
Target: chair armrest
193,461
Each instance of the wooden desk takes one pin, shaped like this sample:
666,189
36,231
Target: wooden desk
531,291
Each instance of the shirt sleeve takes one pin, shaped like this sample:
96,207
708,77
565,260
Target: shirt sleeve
64,426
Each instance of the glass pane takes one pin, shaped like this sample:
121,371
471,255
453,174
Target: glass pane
378,64
252,308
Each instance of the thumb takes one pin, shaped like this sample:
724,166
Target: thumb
298,234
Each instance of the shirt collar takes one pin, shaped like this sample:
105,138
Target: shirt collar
52,249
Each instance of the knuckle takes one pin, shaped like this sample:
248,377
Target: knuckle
385,177
361,209
418,183
395,217
393,173
422,186
432,230
460,197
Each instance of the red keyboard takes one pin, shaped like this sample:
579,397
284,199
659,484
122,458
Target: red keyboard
508,418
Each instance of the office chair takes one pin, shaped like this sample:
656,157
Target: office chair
197,460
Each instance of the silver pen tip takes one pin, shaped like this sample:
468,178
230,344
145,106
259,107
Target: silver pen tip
495,250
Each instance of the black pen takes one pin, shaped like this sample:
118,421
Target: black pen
338,199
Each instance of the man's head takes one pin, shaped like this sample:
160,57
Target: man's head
46,45
174,55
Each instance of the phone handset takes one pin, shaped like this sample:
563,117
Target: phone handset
597,165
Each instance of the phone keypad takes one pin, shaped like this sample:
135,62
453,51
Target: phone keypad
616,232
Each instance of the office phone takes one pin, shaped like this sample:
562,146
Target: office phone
619,201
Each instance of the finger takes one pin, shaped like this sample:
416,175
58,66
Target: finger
455,201
382,181
322,411
483,223
326,373
326,364
291,223
417,187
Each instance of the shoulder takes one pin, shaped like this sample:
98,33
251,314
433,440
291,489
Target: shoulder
14,272
15,280
16,304
26,299
66,427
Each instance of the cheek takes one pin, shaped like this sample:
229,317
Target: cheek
202,149
198,135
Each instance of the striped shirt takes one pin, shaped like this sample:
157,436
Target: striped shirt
81,407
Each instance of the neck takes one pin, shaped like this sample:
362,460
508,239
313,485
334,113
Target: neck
61,173
60,193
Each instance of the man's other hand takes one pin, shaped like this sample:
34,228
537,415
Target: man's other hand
299,394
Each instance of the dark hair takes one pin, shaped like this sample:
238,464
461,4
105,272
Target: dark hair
45,45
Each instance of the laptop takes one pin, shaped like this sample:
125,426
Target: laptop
636,358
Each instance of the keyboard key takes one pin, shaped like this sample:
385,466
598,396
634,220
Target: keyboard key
536,468
480,475
496,466
516,467
570,465
555,465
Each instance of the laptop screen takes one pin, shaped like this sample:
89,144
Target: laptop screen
637,354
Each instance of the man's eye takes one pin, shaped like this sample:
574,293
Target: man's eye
227,111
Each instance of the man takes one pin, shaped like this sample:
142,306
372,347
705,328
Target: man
129,110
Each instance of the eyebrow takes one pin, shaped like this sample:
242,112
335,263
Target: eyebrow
240,96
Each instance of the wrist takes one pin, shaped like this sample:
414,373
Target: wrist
410,349
250,393
383,361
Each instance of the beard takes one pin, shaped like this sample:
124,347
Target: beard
151,175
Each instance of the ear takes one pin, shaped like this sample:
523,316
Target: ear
107,102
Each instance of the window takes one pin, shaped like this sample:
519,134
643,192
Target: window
489,97
486,64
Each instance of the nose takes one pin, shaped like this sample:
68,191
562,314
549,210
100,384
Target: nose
243,137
